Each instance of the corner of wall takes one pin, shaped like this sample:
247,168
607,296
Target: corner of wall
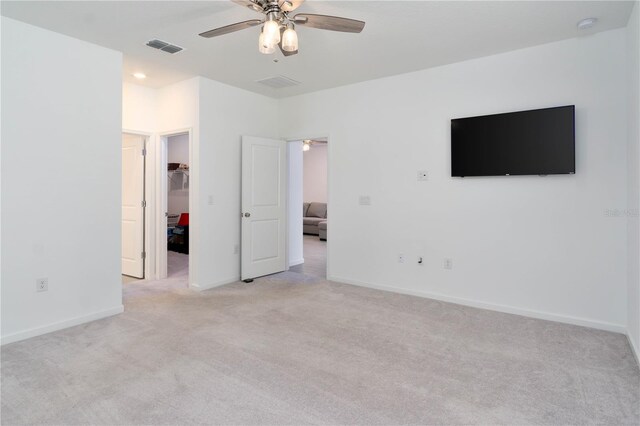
633,181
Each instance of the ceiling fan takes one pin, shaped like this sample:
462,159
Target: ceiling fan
278,27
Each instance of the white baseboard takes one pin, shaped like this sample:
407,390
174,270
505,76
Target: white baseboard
199,287
634,348
296,262
37,331
600,325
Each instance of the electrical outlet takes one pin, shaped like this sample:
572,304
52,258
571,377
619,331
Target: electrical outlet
236,249
365,200
42,284
448,263
210,200
423,175
401,258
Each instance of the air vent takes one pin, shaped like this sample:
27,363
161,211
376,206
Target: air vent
278,82
164,46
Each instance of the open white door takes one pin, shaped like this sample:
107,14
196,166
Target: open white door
264,216
133,205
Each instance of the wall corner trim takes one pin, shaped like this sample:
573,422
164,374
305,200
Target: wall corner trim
296,262
199,287
634,348
49,328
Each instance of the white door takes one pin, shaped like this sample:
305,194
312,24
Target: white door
263,207
132,206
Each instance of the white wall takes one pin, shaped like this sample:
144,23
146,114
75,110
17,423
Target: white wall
139,108
633,182
295,201
61,149
315,174
540,246
178,152
178,149
226,113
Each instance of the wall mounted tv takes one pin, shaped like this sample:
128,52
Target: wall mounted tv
535,142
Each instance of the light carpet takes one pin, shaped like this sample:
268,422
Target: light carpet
293,349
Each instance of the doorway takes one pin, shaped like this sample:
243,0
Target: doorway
177,212
133,207
309,209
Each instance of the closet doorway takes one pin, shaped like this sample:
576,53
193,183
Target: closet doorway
178,180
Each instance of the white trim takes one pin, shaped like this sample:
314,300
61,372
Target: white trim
329,215
634,348
37,331
287,219
198,287
296,262
600,325
160,206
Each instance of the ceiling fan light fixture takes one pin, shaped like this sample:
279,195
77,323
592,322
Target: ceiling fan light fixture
290,40
265,47
271,32
278,29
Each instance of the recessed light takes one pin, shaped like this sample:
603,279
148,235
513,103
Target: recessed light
587,23
139,75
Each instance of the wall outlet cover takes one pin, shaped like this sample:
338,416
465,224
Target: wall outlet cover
42,284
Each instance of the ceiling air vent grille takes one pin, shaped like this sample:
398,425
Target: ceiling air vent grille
164,46
278,82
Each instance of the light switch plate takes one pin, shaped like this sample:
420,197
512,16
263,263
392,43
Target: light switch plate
365,200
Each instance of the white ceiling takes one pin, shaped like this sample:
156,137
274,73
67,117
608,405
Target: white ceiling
400,36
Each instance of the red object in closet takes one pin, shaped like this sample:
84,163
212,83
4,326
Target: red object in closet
184,219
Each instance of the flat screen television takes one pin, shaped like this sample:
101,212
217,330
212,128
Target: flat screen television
535,142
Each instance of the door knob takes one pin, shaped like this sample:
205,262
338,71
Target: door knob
247,215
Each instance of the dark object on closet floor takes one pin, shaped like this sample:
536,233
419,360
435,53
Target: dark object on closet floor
179,240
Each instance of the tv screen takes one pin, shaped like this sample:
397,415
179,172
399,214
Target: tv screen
536,142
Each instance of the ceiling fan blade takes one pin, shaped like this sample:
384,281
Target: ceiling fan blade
332,23
250,4
231,28
289,5
284,52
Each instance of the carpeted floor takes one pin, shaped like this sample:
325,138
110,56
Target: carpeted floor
294,349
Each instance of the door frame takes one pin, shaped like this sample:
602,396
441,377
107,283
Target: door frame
329,232
148,261
161,203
